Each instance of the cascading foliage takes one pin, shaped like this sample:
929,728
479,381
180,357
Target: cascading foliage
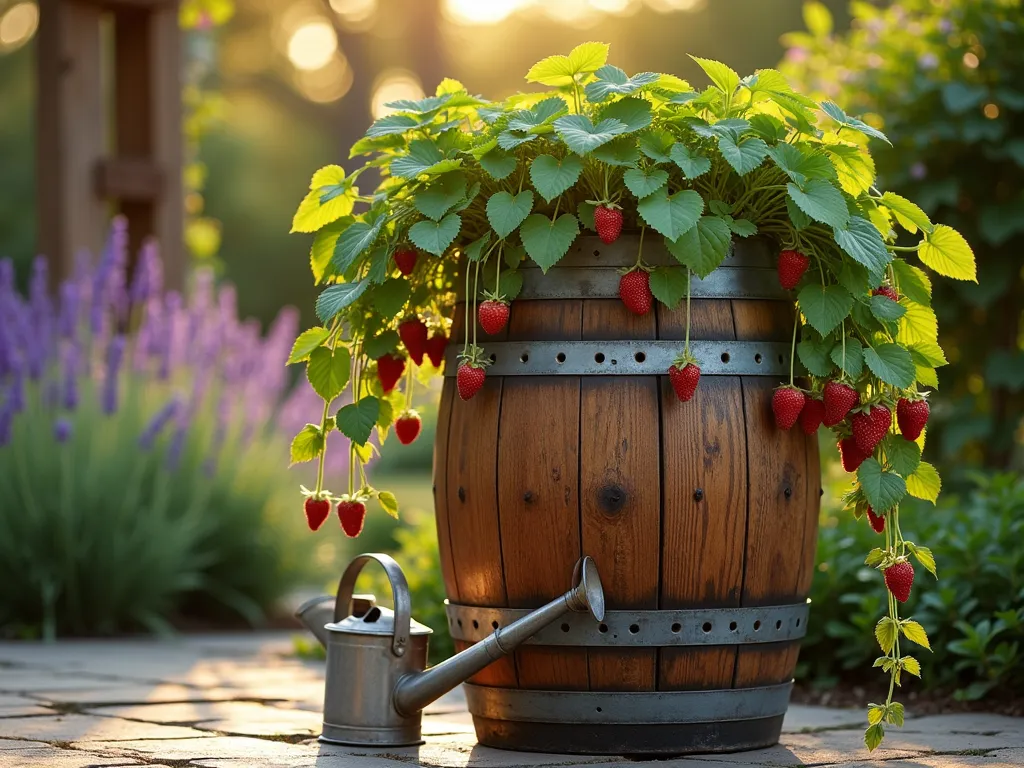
492,184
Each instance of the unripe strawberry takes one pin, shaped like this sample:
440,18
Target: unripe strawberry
792,265
608,223
787,403
899,578
635,291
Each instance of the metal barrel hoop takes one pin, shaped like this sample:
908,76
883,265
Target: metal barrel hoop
399,591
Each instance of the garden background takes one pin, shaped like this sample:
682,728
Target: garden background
128,511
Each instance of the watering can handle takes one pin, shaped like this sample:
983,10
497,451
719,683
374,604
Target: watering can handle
399,590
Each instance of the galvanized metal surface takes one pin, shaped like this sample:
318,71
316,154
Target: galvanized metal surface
590,251
616,707
395,624
628,358
603,283
644,629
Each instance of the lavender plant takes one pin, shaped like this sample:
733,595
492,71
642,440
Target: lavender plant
140,460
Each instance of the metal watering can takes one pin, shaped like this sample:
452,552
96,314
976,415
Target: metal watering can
377,681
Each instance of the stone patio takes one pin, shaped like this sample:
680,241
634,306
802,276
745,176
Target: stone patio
241,700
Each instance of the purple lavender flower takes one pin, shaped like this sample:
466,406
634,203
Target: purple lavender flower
61,430
6,423
174,450
115,354
918,171
928,61
67,321
148,278
945,26
71,356
157,423
16,393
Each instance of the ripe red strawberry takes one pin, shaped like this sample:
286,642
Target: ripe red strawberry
352,513
407,427
492,314
811,415
912,415
899,578
851,456
405,260
792,265
787,403
877,521
869,427
413,333
317,510
635,291
390,368
886,290
436,346
470,378
684,380
839,398
608,222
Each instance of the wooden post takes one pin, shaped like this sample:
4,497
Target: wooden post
110,141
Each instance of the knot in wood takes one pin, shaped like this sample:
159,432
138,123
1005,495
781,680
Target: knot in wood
788,492
528,497
612,498
698,495
462,493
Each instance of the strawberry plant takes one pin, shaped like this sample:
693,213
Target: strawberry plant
476,187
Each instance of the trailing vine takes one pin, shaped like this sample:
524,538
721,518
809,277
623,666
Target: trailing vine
472,188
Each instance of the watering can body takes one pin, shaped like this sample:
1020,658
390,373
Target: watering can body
377,682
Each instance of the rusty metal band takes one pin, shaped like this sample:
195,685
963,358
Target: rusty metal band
590,251
642,629
628,708
628,358
603,283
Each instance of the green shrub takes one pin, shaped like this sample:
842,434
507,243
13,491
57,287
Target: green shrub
141,474
974,617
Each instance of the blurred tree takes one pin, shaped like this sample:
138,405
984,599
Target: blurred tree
945,78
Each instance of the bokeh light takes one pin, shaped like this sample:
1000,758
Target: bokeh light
971,60
991,111
357,15
481,11
392,85
312,45
577,13
18,25
326,84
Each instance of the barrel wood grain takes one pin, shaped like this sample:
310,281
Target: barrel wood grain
538,489
620,496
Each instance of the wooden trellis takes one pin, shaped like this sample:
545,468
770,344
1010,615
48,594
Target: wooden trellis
109,126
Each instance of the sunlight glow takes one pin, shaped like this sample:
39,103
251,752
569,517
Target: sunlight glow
326,84
18,25
471,12
354,12
312,46
570,12
392,85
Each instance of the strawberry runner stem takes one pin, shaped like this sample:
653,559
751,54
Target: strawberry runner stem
686,345
792,346
335,328
640,249
476,287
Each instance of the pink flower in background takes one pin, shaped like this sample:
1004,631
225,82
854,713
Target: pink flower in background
928,61
796,54
918,171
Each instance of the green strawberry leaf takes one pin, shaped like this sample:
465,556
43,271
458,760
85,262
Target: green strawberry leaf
909,215
703,247
505,212
307,445
850,358
356,420
475,250
724,78
883,490
825,307
548,241
381,344
668,284
610,79
435,236
800,219
912,281
924,483
563,70
498,163
945,250
741,227
892,364
621,151
388,503
582,136
656,145
423,157
745,155
328,371
308,341
643,183
671,215
353,241
633,112
692,165
512,139
336,297
437,199
813,352
863,243
918,324
551,176
886,309
390,297
836,112
886,632
542,113
915,633
903,455
820,201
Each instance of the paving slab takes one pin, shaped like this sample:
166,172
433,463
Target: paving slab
55,757
238,748
804,719
75,727
137,694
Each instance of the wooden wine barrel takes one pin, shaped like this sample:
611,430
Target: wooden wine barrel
702,516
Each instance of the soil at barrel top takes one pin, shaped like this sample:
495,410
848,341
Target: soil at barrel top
917,703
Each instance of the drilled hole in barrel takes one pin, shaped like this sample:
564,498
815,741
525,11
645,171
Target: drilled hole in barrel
634,628
757,625
757,358
599,357
798,622
676,627
778,624
781,359
524,358
565,627
600,710
725,357
460,622
706,626
476,624
639,357
602,628
494,358
732,626
494,625
560,357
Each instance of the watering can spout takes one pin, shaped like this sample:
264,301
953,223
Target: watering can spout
416,690
315,614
